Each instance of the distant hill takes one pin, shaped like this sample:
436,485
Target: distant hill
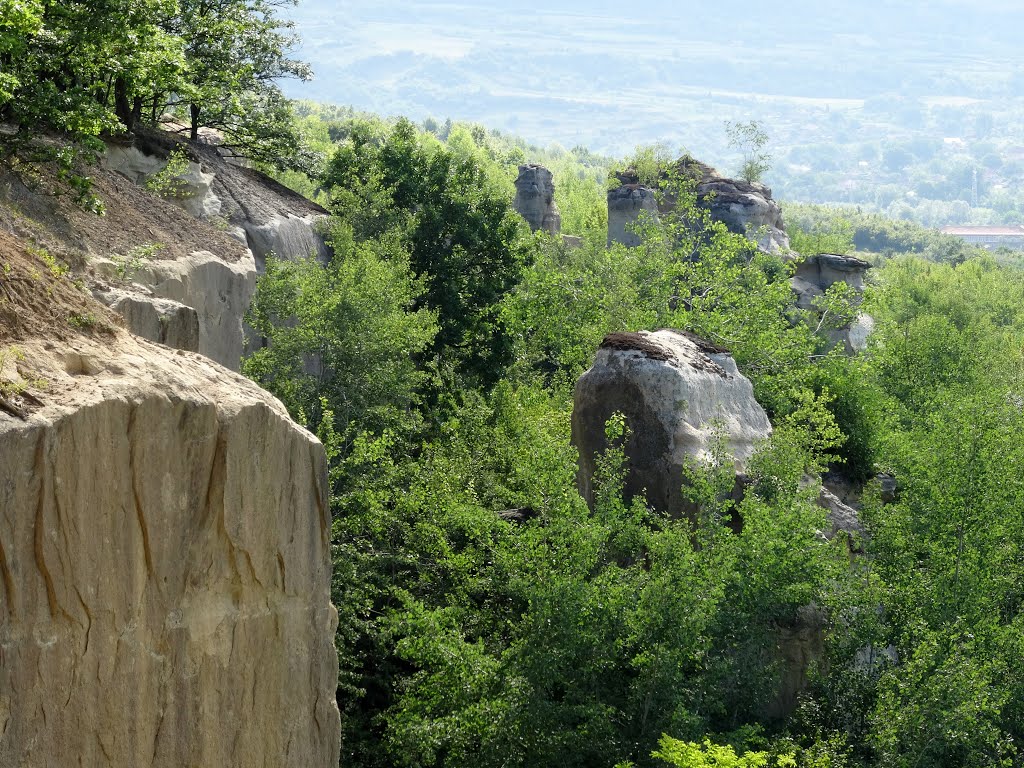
849,80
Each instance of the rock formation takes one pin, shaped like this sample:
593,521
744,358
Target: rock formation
183,259
682,397
626,204
816,275
166,322
535,199
164,559
745,208
218,290
265,217
256,210
679,395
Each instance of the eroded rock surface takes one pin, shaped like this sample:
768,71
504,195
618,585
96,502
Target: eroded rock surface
166,322
680,396
626,204
535,199
217,289
817,274
745,208
164,568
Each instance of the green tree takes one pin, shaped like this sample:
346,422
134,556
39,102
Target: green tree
464,239
340,337
750,139
236,51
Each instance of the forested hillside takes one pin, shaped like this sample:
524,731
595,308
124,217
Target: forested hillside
488,615
565,635
890,107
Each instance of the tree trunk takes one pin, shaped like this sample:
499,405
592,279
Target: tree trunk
122,104
137,110
193,110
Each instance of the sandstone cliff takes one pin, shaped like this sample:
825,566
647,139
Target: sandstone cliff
164,551
144,252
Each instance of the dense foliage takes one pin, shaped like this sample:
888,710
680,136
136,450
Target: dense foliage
489,617
86,69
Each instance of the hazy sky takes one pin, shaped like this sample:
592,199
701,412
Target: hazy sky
573,71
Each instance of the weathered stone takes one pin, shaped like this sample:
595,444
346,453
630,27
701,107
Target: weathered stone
535,199
887,487
745,208
817,274
132,163
256,210
842,518
824,269
164,569
626,204
286,237
217,289
161,320
681,398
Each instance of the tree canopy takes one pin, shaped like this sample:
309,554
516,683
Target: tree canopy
86,69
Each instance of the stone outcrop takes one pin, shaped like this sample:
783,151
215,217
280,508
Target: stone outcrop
263,216
259,212
817,274
166,322
217,289
626,204
535,199
745,208
799,647
164,568
681,397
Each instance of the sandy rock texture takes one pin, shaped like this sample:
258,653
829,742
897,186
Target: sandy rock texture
164,568
167,322
678,394
535,199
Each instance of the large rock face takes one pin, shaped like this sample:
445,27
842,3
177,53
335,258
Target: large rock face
626,204
217,290
535,199
679,395
164,568
817,274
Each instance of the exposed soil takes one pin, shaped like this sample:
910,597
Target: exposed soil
35,303
133,217
636,342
